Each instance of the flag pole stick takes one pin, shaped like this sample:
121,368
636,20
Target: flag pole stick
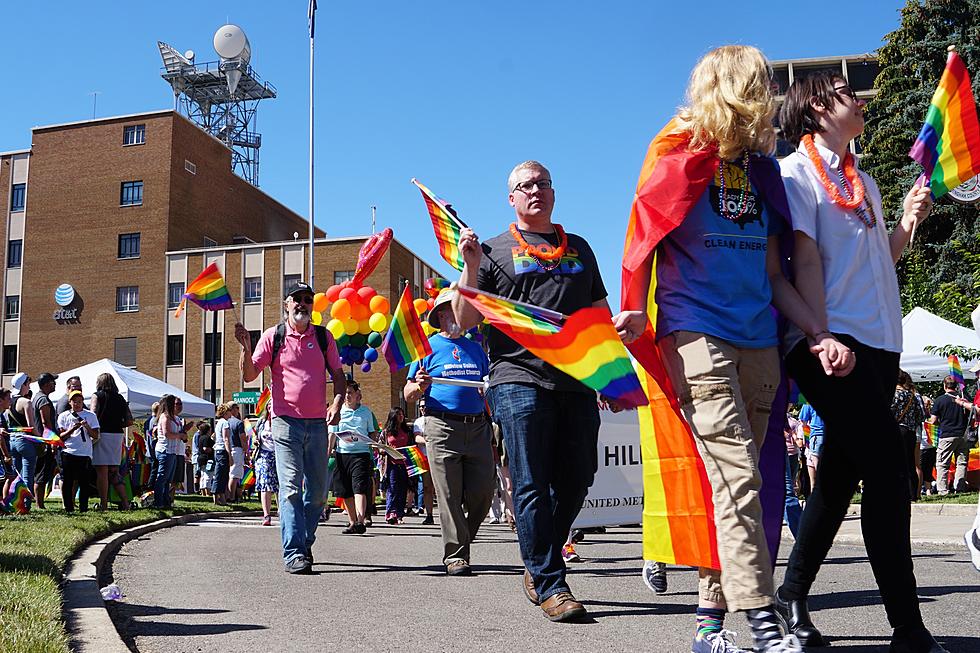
451,214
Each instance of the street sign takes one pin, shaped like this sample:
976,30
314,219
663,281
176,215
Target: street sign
245,397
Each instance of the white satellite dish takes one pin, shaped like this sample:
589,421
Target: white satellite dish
189,55
230,42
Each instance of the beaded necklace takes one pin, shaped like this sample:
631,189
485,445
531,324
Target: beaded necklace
540,253
859,211
743,204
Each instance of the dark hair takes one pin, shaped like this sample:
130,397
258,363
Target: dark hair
905,380
390,424
167,403
106,383
797,117
203,428
4,394
353,385
949,383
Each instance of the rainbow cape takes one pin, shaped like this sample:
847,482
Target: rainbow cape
405,341
678,514
956,371
932,433
19,497
948,145
208,291
586,347
416,462
49,438
263,401
446,226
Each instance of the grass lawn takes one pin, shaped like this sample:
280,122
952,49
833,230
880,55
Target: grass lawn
34,550
959,497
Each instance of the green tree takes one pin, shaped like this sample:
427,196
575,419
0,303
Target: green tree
941,270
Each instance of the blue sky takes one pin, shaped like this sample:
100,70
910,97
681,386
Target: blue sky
454,93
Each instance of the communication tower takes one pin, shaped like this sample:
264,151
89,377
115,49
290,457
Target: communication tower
221,97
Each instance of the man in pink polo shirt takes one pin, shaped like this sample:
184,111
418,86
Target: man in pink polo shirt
299,355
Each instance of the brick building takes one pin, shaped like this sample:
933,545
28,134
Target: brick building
113,214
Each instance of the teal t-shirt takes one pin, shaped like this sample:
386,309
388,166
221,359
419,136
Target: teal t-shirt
358,420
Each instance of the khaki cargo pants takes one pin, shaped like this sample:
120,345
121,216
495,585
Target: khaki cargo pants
726,395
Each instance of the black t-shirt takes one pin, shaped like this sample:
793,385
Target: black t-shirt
505,270
952,418
39,401
113,411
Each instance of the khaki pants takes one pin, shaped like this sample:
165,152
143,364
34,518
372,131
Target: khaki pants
949,452
726,394
462,468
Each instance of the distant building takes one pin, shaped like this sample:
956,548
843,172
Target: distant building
104,223
860,71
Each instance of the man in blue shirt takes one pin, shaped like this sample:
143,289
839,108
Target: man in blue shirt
457,432
814,442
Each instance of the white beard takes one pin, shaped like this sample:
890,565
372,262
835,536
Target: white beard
300,319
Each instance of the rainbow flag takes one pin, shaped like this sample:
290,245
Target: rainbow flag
208,291
49,438
248,480
586,347
932,433
263,401
405,341
20,429
956,371
416,462
948,145
446,226
19,497
973,462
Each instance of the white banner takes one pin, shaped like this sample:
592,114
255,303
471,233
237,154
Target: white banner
616,495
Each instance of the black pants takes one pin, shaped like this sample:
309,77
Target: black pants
75,471
861,442
910,442
927,461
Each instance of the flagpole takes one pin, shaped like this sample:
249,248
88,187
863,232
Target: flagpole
312,19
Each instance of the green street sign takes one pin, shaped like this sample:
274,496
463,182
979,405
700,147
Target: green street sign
245,397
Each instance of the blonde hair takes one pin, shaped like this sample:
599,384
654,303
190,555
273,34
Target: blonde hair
221,409
527,165
730,102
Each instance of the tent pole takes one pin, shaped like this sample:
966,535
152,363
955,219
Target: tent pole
214,358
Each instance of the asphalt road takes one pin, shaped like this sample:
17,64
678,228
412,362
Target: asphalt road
219,585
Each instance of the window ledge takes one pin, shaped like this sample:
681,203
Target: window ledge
127,258
124,206
20,210
127,310
134,144
252,301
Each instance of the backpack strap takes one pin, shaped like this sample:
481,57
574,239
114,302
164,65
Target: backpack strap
277,339
321,338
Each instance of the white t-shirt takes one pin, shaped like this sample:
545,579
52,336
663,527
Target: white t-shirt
169,445
418,428
219,434
859,274
79,444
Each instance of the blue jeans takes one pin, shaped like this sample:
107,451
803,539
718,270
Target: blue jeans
550,438
301,464
24,456
397,490
793,509
166,463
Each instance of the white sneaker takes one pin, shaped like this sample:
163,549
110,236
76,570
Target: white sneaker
789,644
972,539
655,576
720,642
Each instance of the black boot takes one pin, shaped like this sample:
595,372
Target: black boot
798,620
914,640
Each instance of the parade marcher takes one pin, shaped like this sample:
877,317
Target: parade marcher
927,451
550,421
721,357
222,455
300,356
237,471
844,264
951,412
149,440
7,474
814,446
72,383
459,440
354,476
179,477
908,413
23,452
424,480
396,434
204,441
114,417
42,410
79,429
266,481
168,444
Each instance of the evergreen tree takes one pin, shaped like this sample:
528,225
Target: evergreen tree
939,272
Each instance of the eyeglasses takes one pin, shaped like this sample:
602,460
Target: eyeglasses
846,91
305,299
527,186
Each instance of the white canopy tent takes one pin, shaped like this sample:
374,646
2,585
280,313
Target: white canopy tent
921,329
139,389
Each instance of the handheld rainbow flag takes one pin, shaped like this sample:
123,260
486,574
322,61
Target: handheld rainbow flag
263,401
416,462
405,341
248,480
208,291
956,371
932,434
49,438
948,145
20,429
586,347
19,497
446,225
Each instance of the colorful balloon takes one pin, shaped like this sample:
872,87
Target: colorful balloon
421,306
366,293
360,312
336,328
333,293
358,341
320,302
363,327
374,339
347,293
434,286
371,252
379,304
371,355
350,326
340,310
366,367
377,322
316,317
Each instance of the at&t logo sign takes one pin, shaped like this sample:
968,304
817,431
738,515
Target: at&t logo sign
65,297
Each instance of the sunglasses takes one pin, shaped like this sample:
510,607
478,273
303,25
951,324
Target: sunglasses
305,299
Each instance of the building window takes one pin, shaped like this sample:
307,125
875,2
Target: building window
127,299
131,193
10,359
253,290
342,276
212,346
253,337
175,292
18,197
215,398
125,352
11,307
175,350
129,245
402,282
289,281
15,249
190,167
210,242
134,134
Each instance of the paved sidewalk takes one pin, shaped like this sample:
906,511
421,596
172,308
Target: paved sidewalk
219,586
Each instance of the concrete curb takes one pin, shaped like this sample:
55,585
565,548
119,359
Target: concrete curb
90,629
948,509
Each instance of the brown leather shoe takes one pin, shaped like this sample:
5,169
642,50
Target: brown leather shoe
529,591
563,607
